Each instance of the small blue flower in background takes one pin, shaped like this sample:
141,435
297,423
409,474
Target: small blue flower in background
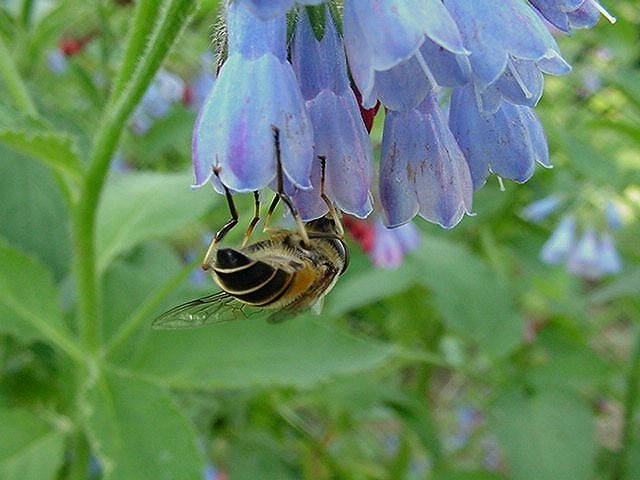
256,90
584,258
57,61
422,169
339,133
540,209
203,82
390,245
585,250
557,248
165,90
613,215
610,261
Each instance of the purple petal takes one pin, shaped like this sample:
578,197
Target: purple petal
449,69
400,143
339,132
266,9
421,161
401,87
380,35
319,65
234,130
521,83
507,142
387,251
443,181
340,137
493,30
253,36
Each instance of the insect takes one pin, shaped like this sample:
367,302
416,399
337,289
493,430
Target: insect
284,274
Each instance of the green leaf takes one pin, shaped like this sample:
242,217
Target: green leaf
58,150
627,285
547,435
140,206
363,288
138,432
29,448
562,362
470,297
131,280
29,301
31,204
247,353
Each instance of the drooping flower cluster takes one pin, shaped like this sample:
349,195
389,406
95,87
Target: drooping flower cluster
584,249
458,80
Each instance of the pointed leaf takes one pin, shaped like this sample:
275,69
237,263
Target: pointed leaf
29,306
138,432
56,149
140,206
470,297
545,435
246,353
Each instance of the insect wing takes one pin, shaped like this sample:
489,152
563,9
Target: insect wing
217,308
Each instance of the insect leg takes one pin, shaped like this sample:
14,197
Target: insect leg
323,195
285,198
272,207
254,220
232,222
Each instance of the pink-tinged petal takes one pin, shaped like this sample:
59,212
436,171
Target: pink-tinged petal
422,168
443,181
400,143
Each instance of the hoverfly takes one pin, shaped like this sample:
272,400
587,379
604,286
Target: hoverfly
285,274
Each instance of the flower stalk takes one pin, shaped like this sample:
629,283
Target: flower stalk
167,30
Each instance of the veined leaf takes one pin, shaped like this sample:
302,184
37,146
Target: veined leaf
56,149
546,435
138,432
470,297
141,206
299,352
29,301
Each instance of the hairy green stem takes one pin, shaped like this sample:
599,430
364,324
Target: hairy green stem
14,83
136,43
631,404
169,26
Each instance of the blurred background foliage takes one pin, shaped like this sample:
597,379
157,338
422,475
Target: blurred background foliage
471,361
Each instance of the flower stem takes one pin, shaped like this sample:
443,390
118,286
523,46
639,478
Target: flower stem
136,43
172,19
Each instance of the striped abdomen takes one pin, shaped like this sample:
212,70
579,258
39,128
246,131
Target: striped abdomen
249,280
